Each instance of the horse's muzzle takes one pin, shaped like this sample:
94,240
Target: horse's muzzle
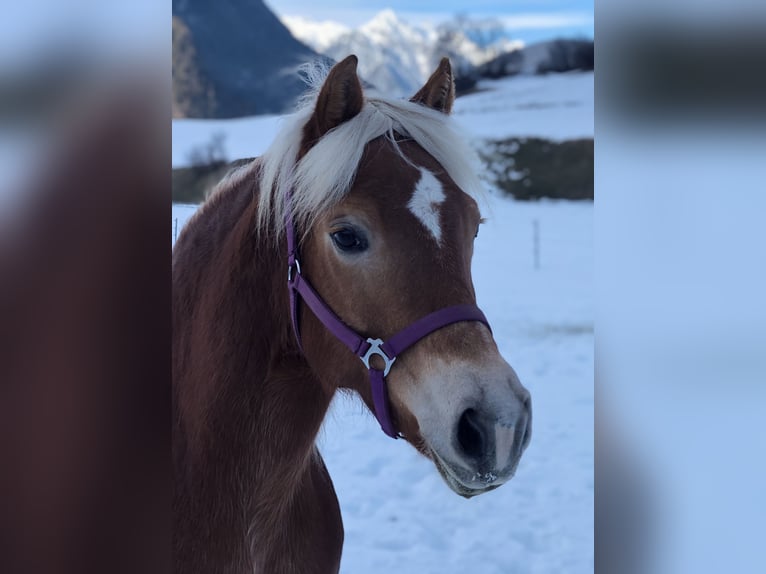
486,446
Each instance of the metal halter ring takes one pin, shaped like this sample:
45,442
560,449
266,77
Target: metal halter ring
297,267
375,349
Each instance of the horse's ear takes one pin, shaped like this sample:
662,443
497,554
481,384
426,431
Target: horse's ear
439,91
339,100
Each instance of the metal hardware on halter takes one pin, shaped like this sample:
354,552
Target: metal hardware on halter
296,266
377,349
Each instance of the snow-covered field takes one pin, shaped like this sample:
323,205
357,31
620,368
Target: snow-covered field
398,514
556,106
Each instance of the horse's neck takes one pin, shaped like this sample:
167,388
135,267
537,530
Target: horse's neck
246,407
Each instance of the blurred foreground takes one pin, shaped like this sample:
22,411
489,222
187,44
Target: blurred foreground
84,298
680,282
84,342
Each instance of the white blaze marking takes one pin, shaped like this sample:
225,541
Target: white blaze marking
425,203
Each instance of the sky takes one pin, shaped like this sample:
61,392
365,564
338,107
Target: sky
528,20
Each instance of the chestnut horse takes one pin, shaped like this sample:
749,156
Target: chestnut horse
374,198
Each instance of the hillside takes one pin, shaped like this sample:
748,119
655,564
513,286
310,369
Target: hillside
534,134
233,58
555,56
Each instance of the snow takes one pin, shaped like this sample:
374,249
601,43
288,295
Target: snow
320,35
555,106
398,514
245,137
182,212
395,55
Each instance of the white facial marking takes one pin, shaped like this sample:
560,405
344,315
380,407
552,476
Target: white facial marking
425,202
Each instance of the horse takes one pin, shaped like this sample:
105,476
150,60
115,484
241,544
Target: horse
350,238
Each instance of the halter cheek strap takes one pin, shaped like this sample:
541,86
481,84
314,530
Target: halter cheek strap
366,348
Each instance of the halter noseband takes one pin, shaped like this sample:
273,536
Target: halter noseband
366,348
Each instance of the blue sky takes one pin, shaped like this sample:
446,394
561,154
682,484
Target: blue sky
527,20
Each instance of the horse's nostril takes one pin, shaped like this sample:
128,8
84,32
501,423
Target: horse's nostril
470,434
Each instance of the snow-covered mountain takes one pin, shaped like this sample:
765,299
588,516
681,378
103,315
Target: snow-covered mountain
396,56
319,35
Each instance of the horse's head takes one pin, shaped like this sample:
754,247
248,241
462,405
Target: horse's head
394,246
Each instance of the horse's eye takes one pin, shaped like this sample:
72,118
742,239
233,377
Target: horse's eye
349,240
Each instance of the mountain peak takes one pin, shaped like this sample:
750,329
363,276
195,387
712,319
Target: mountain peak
384,22
388,30
320,35
386,16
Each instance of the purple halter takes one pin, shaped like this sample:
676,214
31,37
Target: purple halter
366,348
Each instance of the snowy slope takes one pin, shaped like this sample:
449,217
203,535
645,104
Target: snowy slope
320,35
556,106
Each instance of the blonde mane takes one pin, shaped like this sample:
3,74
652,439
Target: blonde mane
325,174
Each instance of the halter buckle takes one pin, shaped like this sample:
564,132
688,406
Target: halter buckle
376,349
